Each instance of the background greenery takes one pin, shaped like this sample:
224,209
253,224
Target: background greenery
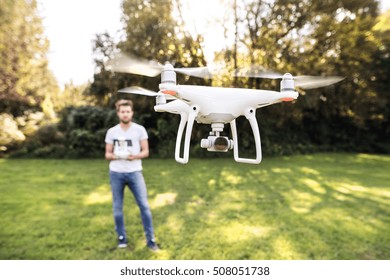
320,206
347,38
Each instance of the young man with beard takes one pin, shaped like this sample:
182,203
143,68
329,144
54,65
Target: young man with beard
126,146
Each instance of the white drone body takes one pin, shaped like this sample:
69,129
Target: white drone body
216,106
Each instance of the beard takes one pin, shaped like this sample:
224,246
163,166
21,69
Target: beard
125,121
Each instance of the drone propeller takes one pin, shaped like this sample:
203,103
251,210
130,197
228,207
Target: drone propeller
257,72
143,91
309,82
304,82
127,64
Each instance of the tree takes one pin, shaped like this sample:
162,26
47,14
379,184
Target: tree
27,86
104,84
152,34
25,79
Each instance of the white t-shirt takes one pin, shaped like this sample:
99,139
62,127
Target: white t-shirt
130,140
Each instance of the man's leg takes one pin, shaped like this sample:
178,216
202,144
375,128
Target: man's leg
117,181
138,187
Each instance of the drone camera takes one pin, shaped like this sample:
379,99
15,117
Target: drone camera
217,144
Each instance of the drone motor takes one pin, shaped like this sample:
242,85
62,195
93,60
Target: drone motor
168,74
287,83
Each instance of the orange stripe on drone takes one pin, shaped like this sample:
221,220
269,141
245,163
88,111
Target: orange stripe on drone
286,99
170,92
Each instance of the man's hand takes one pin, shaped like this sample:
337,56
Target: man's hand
122,156
132,157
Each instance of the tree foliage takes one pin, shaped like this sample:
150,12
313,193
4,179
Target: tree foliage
151,33
25,79
27,87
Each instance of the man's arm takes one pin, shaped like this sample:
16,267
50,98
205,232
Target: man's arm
109,152
144,151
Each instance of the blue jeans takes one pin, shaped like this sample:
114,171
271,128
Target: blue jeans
136,183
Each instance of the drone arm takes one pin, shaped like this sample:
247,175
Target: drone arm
188,118
251,116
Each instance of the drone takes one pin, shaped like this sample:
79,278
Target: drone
214,106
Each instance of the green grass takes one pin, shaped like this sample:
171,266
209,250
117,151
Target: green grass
322,206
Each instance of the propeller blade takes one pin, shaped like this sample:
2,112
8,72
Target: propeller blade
143,91
310,82
127,64
200,72
257,72
304,82
138,90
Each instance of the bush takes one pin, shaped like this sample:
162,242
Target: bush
84,130
50,151
80,133
10,134
84,143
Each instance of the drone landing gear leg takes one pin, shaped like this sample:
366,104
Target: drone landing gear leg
251,116
189,119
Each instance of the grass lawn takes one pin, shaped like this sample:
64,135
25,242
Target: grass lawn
322,206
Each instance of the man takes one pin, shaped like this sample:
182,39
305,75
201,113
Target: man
126,145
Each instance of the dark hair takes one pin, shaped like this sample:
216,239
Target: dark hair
123,102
